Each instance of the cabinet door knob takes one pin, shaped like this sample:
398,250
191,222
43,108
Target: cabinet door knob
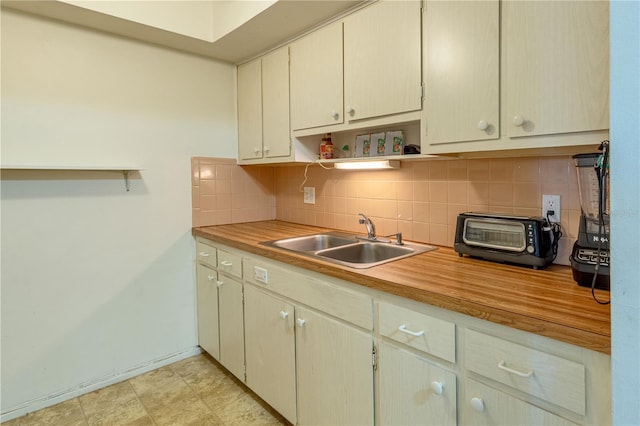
335,115
483,125
301,322
477,404
436,387
266,149
284,314
256,151
211,277
517,120
351,112
219,283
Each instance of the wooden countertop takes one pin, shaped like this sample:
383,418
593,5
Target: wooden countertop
546,302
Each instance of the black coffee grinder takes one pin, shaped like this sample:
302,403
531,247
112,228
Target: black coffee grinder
590,256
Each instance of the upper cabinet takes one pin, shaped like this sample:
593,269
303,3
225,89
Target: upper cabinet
462,71
556,67
382,65
359,71
553,89
263,109
316,79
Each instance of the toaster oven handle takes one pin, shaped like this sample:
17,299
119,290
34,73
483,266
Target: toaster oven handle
404,329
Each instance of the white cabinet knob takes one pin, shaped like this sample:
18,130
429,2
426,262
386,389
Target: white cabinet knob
351,112
284,314
335,115
211,277
436,387
517,120
266,149
301,322
483,125
256,151
477,404
220,283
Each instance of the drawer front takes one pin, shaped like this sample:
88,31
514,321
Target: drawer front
347,305
230,263
545,376
423,332
484,405
206,254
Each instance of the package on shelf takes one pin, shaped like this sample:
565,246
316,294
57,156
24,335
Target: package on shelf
377,144
394,143
362,146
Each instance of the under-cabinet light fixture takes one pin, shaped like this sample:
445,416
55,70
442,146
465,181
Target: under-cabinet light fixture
368,165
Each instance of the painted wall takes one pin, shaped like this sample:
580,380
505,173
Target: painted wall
97,282
625,210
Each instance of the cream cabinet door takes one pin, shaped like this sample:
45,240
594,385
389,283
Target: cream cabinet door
382,60
334,371
250,110
484,405
316,79
412,391
275,104
231,325
270,350
557,66
207,306
462,70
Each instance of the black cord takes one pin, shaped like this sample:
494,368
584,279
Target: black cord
556,230
602,170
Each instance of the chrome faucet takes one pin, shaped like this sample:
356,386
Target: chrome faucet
371,228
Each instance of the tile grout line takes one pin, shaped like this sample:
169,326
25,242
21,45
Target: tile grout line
84,415
153,420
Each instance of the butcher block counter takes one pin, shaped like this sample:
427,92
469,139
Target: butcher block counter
545,302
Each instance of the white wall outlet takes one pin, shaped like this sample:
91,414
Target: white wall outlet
309,195
551,203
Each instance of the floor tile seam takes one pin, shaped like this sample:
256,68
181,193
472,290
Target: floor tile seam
144,407
84,415
198,394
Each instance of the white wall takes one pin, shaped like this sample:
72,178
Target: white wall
625,210
97,281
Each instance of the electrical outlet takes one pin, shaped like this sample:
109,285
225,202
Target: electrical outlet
551,202
309,195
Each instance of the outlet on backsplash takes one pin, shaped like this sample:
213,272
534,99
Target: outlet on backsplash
551,203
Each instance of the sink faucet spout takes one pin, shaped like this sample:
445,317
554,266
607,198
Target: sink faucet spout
371,228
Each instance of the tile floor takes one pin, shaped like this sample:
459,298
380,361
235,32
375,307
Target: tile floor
194,391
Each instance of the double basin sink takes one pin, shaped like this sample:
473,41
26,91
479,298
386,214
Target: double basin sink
349,250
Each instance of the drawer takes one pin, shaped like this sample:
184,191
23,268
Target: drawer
205,253
423,332
230,263
349,306
484,405
540,374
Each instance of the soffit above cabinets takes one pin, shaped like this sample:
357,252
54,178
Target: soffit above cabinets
281,21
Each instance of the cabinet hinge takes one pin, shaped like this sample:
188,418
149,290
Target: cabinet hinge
374,358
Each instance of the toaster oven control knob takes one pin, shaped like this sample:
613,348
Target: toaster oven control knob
530,249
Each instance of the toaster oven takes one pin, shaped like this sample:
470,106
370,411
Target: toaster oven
523,240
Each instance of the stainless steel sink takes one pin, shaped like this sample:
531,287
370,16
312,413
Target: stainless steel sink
349,250
313,242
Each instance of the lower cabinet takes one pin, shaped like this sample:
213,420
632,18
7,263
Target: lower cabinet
311,347
484,405
413,391
271,353
207,306
231,318
334,371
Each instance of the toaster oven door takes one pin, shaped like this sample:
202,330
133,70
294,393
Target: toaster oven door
495,233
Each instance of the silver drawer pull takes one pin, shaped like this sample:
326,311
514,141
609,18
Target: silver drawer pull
205,254
501,366
403,328
226,263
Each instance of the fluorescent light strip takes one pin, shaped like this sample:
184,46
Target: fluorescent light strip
367,165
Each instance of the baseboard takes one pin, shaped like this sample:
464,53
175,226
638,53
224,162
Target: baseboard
99,383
